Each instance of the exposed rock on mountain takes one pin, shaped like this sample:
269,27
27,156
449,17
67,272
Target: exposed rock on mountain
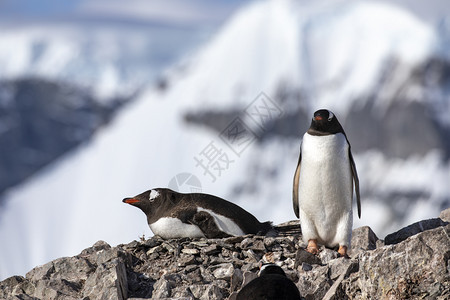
40,120
415,267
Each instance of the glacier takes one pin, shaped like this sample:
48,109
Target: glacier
332,52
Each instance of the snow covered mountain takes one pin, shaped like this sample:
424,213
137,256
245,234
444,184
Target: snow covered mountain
62,79
230,124
109,60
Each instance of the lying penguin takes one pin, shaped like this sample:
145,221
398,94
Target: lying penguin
175,215
272,283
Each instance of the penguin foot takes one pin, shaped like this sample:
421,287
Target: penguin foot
312,247
343,251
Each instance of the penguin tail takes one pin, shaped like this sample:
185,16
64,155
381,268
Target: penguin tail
265,228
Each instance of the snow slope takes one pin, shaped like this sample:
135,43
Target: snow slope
77,201
109,60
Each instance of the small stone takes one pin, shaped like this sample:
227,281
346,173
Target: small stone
363,238
168,247
269,242
304,256
206,292
152,242
246,243
306,267
252,267
154,250
223,271
338,266
445,215
236,279
190,251
161,289
248,276
258,245
250,254
327,255
186,260
289,263
234,240
190,268
211,249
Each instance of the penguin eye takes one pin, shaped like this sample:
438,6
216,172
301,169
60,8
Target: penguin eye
153,195
330,116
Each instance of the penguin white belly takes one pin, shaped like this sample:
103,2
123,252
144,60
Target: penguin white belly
325,190
223,223
171,228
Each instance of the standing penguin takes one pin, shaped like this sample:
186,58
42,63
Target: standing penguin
323,185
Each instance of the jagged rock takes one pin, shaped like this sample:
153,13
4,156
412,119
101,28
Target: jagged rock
363,238
236,279
326,255
303,256
445,215
413,229
415,267
314,284
223,271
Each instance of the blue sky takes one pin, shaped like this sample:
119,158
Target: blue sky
192,11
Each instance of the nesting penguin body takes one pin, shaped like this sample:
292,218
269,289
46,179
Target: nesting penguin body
323,183
176,215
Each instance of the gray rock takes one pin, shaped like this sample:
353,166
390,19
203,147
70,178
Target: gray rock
207,292
161,289
314,284
413,229
211,249
363,238
416,267
223,271
236,280
445,215
303,256
248,276
326,255
109,281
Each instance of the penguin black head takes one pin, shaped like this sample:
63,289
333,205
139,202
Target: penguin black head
152,201
324,122
272,283
271,268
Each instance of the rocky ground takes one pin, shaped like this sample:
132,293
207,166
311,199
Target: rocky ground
412,263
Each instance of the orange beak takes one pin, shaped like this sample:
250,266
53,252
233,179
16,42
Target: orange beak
130,200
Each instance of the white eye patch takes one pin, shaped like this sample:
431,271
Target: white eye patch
330,116
153,195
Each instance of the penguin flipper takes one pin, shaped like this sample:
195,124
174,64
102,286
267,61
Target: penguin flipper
296,182
356,180
207,225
